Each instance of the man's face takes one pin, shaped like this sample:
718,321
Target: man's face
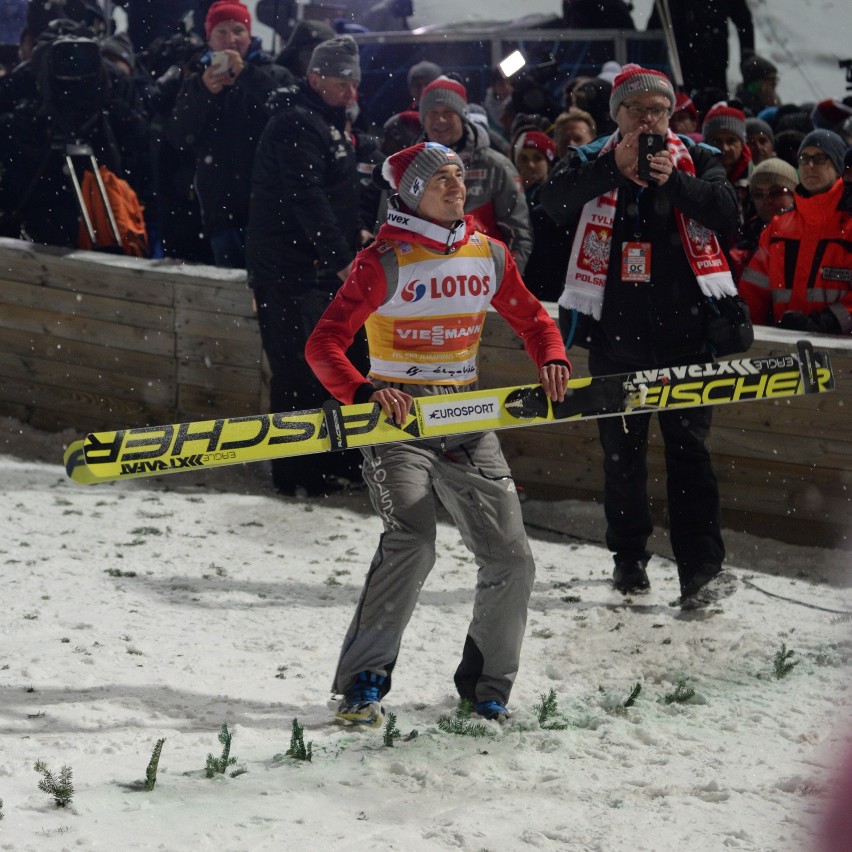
730,145
532,167
647,112
761,147
766,90
335,91
816,171
444,196
770,198
443,125
230,35
573,133
683,122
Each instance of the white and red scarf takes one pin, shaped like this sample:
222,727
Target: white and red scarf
590,253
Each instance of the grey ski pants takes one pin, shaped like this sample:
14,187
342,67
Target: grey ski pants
472,480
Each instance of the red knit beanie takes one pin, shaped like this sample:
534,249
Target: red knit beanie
409,170
227,10
684,103
536,140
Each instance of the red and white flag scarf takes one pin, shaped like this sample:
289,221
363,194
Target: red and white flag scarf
590,254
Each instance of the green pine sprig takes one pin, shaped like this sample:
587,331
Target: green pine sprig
60,787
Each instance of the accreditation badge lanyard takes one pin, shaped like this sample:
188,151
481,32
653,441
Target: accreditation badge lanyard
636,254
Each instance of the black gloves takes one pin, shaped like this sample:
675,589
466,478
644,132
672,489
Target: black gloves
823,322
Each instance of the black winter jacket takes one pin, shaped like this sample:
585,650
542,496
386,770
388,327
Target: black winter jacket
305,214
223,131
659,322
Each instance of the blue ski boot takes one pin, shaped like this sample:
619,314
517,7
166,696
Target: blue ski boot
361,705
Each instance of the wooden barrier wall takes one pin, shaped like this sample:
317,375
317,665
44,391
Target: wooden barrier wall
94,341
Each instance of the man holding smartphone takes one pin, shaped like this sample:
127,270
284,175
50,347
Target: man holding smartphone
219,115
643,206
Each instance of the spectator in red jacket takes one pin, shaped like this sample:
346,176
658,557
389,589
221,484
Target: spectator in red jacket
801,276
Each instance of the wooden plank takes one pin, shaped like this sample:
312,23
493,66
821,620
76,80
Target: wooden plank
114,384
196,403
213,376
81,410
72,353
125,312
243,351
216,326
85,273
227,297
148,281
109,334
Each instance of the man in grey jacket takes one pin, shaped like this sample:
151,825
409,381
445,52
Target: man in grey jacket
495,196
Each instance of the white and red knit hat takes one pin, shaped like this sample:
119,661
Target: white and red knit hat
684,103
227,10
444,92
536,140
723,116
409,170
633,79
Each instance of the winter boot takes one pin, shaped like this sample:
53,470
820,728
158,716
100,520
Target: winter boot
492,710
362,703
629,575
710,585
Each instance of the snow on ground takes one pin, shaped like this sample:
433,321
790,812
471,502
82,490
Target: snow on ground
165,608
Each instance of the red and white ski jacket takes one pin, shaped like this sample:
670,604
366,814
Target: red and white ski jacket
423,291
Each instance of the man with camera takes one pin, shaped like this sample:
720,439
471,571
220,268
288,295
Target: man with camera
643,205
219,115
80,102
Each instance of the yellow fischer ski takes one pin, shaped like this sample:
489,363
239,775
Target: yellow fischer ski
181,447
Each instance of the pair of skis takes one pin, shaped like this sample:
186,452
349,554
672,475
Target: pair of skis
197,445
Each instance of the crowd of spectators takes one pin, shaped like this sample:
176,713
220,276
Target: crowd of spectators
183,132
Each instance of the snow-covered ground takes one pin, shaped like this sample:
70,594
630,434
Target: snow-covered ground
165,609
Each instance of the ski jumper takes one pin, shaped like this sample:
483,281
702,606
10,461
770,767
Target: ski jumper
423,292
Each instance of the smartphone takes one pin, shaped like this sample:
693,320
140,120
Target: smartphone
219,62
650,144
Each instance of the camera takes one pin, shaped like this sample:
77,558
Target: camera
74,58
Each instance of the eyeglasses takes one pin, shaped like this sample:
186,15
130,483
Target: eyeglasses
638,111
814,159
774,192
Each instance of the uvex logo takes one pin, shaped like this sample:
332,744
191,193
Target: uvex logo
447,287
398,218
